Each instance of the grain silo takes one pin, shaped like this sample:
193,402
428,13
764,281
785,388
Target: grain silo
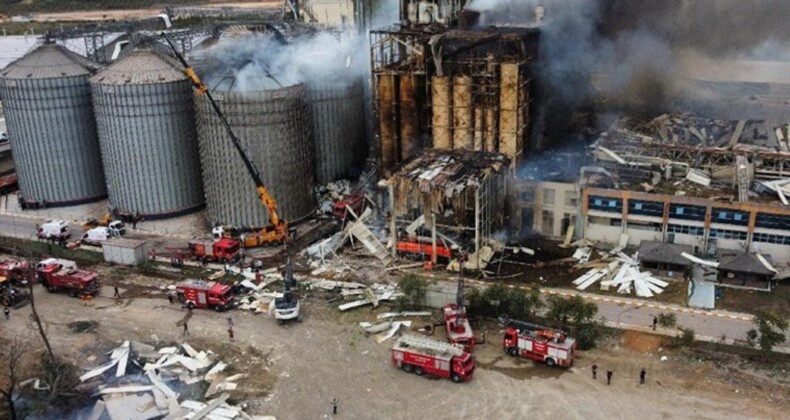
47,102
274,127
146,122
338,127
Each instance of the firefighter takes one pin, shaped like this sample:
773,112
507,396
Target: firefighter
117,293
642,374
608,377
7,313
595,371
186,328
655,322
170,297
230,333
334,405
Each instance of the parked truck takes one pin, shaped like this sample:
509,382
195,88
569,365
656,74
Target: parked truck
54,229
223,250
203,294
16,272
537,342
56,277
423,355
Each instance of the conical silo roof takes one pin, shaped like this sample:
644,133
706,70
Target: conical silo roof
49,61
140,67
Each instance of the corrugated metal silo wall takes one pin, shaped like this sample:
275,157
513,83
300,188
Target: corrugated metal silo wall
274,127
338,128
149,147
55,146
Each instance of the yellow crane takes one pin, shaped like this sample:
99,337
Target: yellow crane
277,231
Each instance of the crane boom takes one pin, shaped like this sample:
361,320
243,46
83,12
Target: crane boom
266,198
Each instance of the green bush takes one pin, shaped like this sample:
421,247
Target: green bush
667,320
685,339
578,314
770,331
414,289
498,300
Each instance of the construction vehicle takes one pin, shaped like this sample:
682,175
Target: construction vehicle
203,294
55,277
456,322
423,355
106,221
224,250
418,247
538,342
286,308
277,231
53,229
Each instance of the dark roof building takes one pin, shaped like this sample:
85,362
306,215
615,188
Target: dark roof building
664,253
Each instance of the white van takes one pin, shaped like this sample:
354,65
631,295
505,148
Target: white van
54,229
63,264
117,228
98,235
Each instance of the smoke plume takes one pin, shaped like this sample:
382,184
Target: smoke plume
627,50
263,62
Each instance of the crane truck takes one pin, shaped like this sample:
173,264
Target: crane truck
456,323
277,231
538,342
286,308
423,355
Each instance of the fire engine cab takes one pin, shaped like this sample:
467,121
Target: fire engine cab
205,294
539,343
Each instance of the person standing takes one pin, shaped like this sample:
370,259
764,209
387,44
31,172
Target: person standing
642,374
230,320
117,292
170,297
186,328
334,405
595,371
609,377
655,322
230,333
7,313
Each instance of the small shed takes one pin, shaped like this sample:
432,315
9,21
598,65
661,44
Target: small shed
125,251
750,270
665,259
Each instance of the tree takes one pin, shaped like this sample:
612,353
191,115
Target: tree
667,320
11,358
34,313
498,300
770,331
414,290
578,313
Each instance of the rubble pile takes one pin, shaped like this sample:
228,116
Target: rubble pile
326,195
142,382
616,269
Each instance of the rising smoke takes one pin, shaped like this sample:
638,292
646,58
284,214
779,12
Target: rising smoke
263,62
628,49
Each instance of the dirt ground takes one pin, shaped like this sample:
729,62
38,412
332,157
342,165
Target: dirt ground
297,369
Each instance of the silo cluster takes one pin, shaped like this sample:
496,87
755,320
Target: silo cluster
47,102
145,117
137,133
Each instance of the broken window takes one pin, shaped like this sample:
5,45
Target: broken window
728,234
686,229
548,222
571,199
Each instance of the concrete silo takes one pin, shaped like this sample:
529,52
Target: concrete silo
47,102
338,127
274,127
145,117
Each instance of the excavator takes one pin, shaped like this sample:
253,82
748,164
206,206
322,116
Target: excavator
277,231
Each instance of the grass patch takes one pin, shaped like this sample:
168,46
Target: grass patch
79,327
40,249
748,300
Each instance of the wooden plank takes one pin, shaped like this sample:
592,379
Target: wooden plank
210,407
736,136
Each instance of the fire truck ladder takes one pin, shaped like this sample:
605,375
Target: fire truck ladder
416,342
523,325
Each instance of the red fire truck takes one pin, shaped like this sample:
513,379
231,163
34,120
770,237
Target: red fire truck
422,355
205,294
15,271
456,323
418,246
55,277
539,343
222,250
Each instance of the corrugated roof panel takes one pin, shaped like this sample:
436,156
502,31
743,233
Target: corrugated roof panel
49,61
141,67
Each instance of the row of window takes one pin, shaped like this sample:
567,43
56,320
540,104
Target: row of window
771,239
728,234
731,217
773,221
549,197
686,230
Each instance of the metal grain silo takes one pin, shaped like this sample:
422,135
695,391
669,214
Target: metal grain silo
47,102
338,128
274,127
146,122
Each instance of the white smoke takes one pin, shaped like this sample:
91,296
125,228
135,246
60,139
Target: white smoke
262,62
